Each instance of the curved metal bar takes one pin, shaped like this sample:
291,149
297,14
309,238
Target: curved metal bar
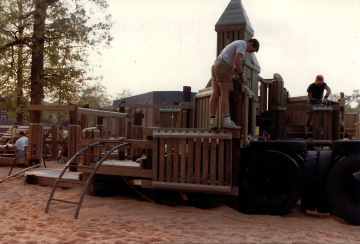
92,175
63,172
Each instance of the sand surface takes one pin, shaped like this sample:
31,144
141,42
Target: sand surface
131,219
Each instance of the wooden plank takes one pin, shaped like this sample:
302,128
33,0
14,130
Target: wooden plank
297,99
221,162
184,119
155,159
102,113
213,162
186,186
305,107
58,108
205,162
198,161
176,134
161,159
169,159
121,170
228,162
176,160
149,131
190,164
183,161
183,105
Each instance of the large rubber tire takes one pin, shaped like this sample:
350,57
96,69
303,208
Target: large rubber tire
308,198
287,146
346,147
323,169
272,183
343,188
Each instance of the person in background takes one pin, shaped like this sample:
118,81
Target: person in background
315,97
22,141
14,133
63,132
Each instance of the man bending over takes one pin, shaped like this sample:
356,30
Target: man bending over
228,62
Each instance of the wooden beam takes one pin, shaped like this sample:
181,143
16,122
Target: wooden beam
186,186
65,108
297,99
305,107
183,105
101,113
120,170
148,131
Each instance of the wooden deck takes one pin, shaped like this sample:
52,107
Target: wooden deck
48,176
120,167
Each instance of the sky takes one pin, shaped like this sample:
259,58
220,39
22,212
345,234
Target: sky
163,45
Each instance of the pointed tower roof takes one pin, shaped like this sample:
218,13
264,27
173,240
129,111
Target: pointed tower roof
234,17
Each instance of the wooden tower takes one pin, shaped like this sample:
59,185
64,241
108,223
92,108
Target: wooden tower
234,24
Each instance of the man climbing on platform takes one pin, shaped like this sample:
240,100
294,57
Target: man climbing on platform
227,64
315,97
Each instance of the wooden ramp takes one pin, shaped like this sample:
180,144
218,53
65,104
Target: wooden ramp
48,177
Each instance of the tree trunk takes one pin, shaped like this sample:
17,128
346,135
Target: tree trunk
20,70
37,61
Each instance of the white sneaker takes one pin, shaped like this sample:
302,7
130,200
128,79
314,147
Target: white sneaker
231,126
213,125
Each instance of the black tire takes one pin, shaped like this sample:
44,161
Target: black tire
272,183
338,158
343,188
346,147
287,146
323,169
308,198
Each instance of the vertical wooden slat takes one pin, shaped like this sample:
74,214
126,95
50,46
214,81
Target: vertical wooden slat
198,161
228,155
169,159
236,35
329,119
231,36
161,159
190,165
213,162
155,159
176,142
221,162
183,161
205,162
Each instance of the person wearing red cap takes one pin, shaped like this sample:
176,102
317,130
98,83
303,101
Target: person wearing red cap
315,95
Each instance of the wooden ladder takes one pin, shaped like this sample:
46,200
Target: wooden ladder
71,164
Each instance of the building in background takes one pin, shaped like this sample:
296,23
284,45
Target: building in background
151,116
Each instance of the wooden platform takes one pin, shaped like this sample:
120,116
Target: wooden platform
48,176
120,167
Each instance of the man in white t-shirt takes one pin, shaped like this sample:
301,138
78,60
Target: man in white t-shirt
22,141
228,62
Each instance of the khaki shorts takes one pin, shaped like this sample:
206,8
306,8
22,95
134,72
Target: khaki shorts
221,71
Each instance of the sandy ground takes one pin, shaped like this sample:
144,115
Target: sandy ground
131,219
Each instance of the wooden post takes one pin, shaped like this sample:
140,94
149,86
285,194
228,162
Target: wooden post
336,125
73,143
35,143
236,111
84,122
263,98
121,131
54,141
137,130
100,125
187,118
74,118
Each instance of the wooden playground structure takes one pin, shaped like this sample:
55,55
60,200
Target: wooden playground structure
184,154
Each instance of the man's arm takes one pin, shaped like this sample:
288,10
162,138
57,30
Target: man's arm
238,63
328,91
311,97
